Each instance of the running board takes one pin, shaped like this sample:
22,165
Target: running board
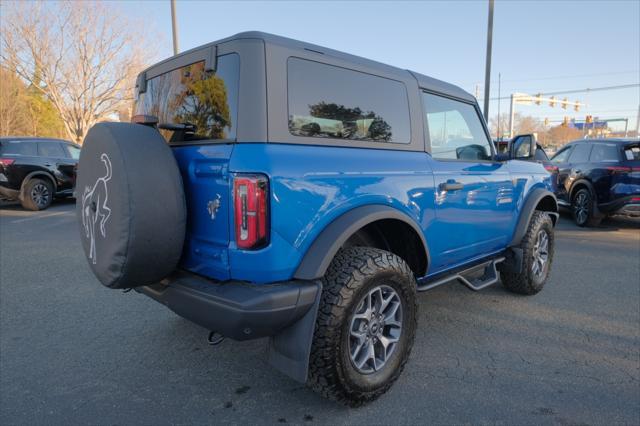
489,277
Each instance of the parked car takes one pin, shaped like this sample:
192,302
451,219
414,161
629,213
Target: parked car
35,170
274,188
599,177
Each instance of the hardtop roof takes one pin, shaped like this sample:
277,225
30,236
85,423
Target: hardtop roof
424,81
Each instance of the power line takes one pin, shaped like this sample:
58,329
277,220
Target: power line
594,89
566,76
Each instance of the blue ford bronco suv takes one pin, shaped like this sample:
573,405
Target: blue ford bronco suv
273,188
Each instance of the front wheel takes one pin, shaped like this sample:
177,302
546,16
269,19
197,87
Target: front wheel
537,251
366,325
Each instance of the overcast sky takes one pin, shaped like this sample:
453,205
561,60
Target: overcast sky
539,46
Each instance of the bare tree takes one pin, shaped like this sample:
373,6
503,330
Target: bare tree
83,56
522,124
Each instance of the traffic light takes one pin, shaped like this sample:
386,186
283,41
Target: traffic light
564,103
565,121
588,119
546,121
552,101
538,99
576,107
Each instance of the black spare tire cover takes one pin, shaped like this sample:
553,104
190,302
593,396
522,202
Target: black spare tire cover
130,205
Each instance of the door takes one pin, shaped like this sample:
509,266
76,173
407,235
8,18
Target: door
54,159
561,161
474,194
573,168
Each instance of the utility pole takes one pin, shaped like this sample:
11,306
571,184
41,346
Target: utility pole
638,123
174,27
511,113
487,69
499,136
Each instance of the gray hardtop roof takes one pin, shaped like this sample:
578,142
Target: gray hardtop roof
424,82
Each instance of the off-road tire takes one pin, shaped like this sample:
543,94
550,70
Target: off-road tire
351,275
28,200
526,282
592,217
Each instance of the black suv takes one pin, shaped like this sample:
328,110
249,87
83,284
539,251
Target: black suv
34,170
599,177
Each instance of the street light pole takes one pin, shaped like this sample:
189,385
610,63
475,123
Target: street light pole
174,27
487,70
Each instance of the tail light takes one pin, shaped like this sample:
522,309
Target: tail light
250,198
551,169
6,161
618,169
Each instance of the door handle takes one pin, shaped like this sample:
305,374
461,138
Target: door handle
451,185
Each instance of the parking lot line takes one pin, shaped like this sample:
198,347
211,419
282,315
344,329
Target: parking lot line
42,216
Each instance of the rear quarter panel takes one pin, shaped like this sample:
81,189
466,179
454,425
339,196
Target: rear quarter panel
313,185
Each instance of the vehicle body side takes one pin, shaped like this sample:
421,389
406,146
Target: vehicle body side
60,169
315,182
613,182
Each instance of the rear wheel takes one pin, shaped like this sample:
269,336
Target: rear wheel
583,209
365,327
38,194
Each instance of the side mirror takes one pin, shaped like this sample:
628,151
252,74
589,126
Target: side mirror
523,147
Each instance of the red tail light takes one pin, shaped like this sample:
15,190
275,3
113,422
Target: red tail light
6,161
250,198
618,169
551,169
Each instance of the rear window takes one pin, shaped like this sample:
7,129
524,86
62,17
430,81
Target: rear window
194,105
19,148
326,101
632,152
604,152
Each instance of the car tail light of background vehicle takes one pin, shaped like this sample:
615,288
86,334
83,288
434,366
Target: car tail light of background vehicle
250,198
6,161
551,169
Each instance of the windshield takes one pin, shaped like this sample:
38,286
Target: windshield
192,104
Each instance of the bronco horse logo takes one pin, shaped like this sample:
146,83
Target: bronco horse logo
95,209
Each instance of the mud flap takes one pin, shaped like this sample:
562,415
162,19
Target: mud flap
289,350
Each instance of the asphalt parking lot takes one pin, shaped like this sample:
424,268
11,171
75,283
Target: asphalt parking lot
72,351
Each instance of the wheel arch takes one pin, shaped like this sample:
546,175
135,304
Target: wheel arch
540,199
579,184
37,174
324,248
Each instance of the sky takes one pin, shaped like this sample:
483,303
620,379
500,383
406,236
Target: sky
538,46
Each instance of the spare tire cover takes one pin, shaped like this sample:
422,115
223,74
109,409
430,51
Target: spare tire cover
130,205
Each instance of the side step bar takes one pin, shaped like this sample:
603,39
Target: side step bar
489,277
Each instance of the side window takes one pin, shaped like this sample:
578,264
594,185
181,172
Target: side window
580,153
604,152
11,148
326,101
562,156
192,104
50,149
455,130
74,151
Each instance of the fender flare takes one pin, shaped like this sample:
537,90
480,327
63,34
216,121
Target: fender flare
37,173
581,181
323,249
527,213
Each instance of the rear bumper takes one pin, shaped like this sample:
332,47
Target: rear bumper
628,206
237,310
8,193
